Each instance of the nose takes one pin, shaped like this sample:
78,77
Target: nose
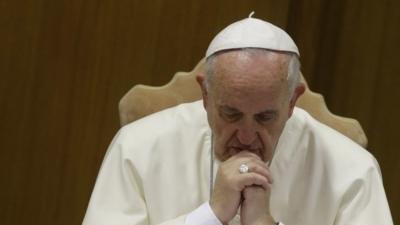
247,133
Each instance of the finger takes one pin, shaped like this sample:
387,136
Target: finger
253,164
259,167
249,179
254,193
245,157
255,168
252,190
246,154
259,163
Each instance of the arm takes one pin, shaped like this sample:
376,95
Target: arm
118,196
364,202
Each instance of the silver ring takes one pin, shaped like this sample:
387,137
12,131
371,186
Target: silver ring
243,168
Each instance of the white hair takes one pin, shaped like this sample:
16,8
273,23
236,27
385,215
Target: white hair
293,75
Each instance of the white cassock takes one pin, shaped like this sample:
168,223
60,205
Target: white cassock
157,170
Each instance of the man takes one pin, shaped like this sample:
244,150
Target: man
250,158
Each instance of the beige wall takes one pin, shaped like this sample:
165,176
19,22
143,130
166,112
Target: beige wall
65,64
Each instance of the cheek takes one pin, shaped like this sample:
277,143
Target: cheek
222,135
270,134
223,132
276,131
217,124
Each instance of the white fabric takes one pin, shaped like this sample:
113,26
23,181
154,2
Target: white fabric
156,171
252,33
203,215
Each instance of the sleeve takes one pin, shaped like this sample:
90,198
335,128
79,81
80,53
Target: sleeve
203,215
364,202
118,196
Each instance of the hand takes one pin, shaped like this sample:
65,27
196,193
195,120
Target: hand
255,206
229,183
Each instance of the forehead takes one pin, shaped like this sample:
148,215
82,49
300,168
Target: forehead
256,76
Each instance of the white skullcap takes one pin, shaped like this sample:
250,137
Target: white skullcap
252,33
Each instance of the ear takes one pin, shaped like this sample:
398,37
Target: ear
298,91
200,80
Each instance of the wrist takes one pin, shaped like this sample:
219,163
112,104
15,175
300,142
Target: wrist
219,213
266,220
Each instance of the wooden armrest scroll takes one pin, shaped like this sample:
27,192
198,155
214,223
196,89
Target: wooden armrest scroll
315,105
143,100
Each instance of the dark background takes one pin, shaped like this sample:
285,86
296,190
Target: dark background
64,65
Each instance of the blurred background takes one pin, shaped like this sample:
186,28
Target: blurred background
64,65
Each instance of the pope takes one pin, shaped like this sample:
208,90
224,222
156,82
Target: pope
243,155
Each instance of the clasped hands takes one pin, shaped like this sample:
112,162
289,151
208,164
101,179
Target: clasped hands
248,191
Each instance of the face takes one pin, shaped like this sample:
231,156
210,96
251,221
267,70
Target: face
247,103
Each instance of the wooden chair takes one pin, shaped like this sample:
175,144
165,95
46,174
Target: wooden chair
143,100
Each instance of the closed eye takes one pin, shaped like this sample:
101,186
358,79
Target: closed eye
265,117
229,114
231,117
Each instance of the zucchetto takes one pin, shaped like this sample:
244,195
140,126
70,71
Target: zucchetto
252,33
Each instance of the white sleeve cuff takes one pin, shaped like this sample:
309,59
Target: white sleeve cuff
203,215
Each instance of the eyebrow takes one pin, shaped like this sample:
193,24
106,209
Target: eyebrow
268,112
232,109
225,107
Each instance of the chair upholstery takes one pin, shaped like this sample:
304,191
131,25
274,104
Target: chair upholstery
143,100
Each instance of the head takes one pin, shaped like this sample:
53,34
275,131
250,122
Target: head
249,94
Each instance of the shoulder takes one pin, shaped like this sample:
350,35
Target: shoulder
336,151
164,133
183,113
167,122
325,170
